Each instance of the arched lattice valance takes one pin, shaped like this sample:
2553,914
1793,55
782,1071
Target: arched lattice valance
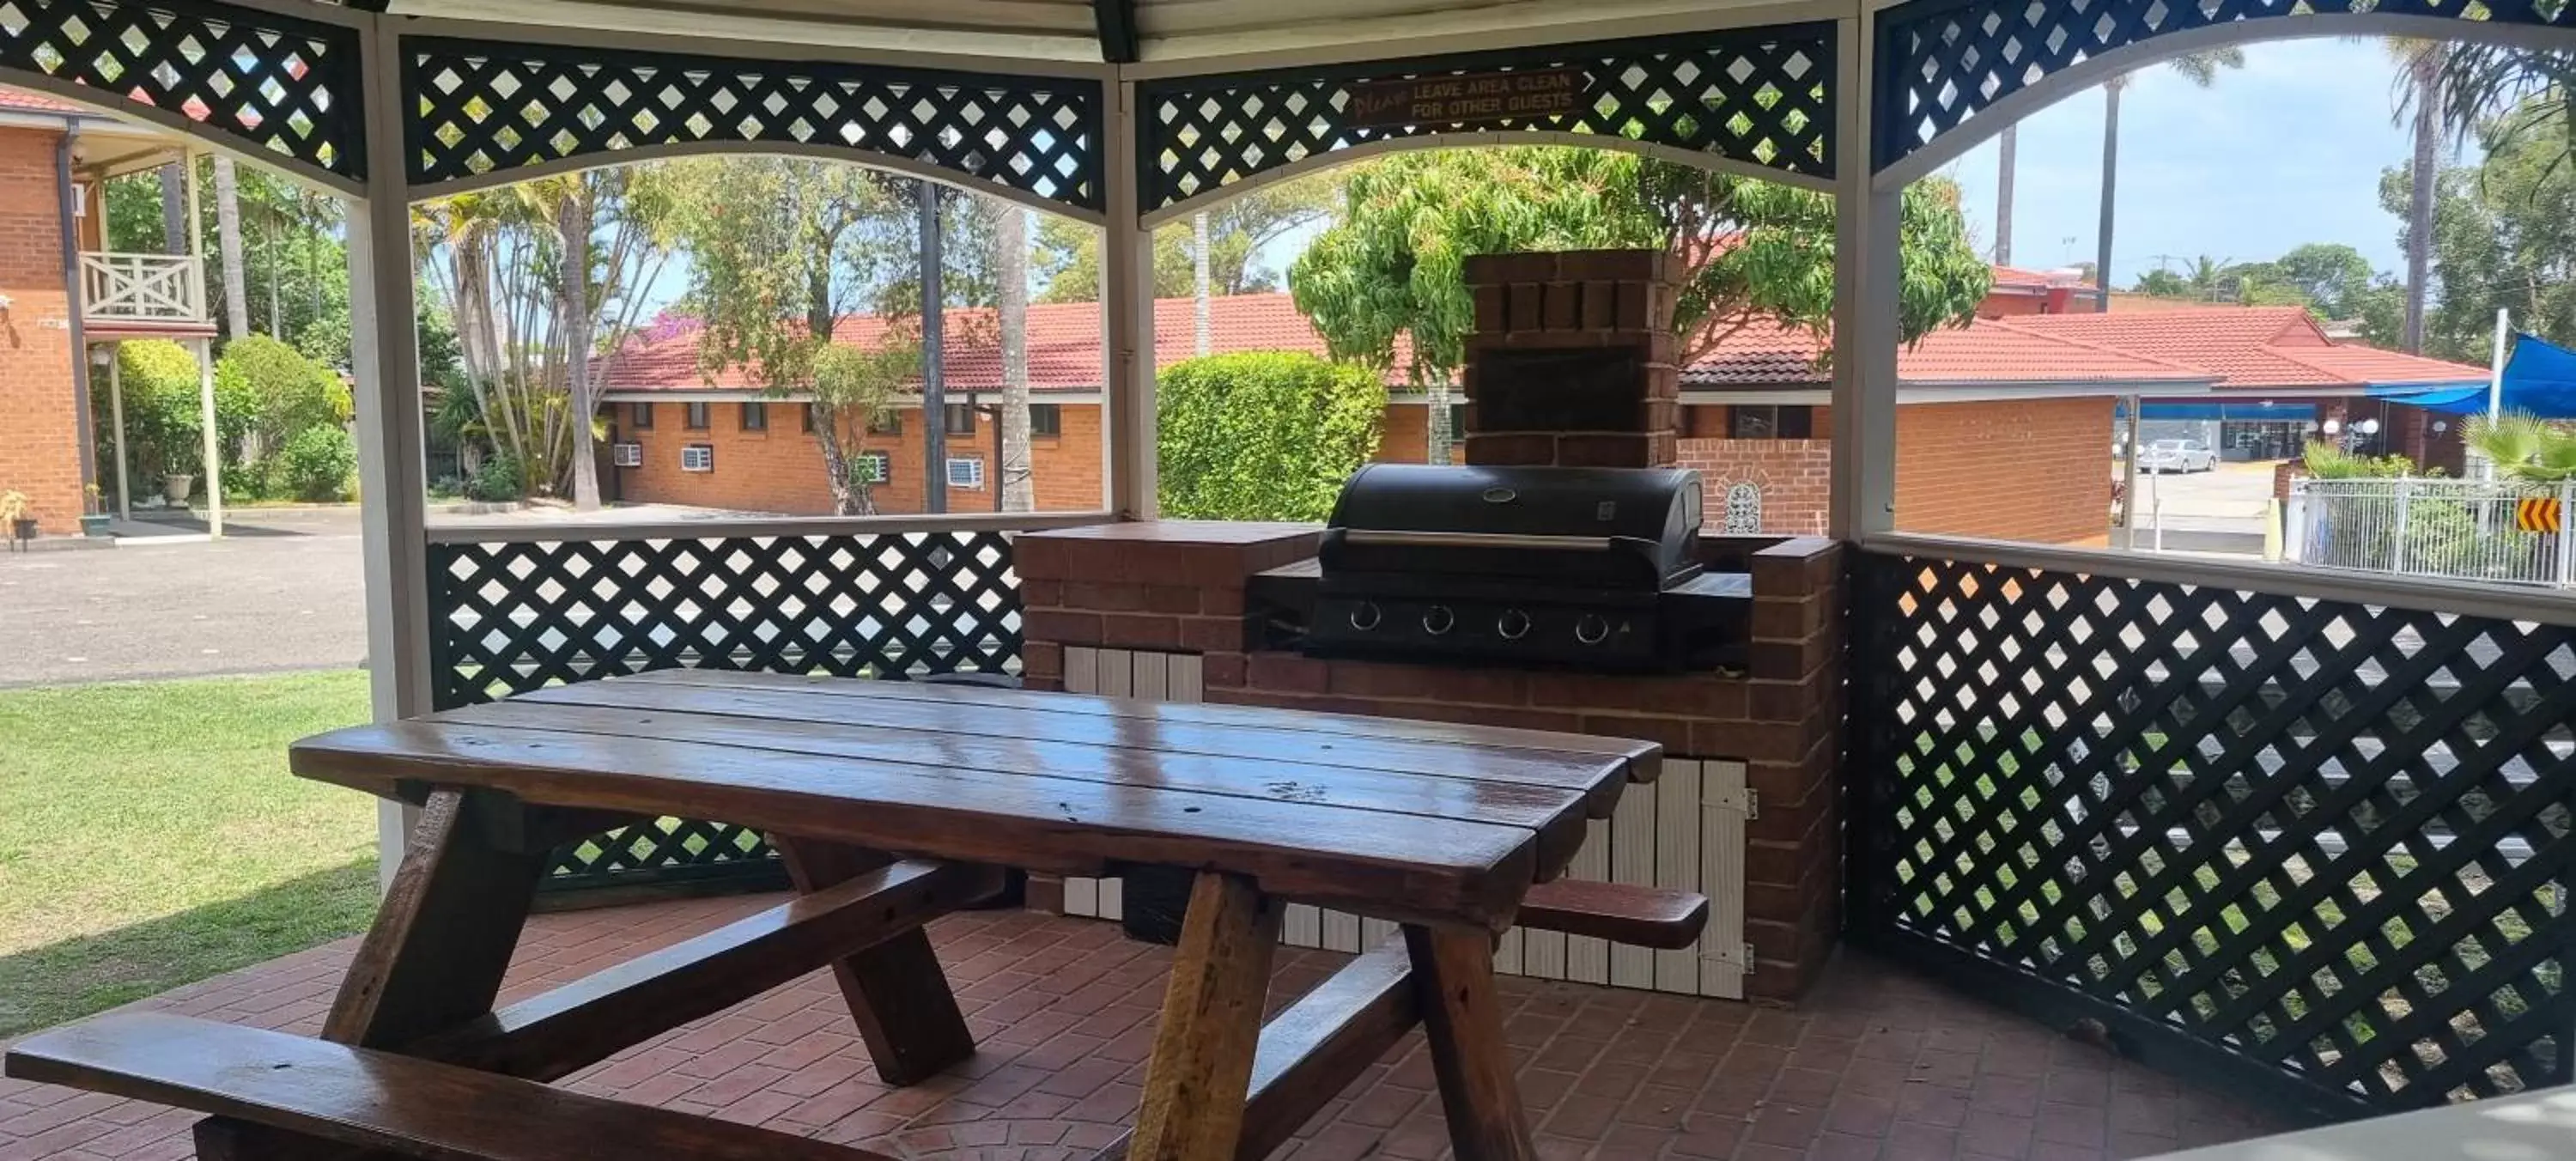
273,83
1941,62
1762,96
481,107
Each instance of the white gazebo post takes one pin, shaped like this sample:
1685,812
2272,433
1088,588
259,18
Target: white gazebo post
384,357
1865,321
116,416
1127,299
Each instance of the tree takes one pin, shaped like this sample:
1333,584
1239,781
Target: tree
228,230
1011,267
2419,100
267,392
2202,69
1239,230
2007,148
1751,251
1262,435
2162,283
780,250
2503,235
2524,448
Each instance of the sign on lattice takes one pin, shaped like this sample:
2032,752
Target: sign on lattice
2313,850
483,107
279,84
1761,96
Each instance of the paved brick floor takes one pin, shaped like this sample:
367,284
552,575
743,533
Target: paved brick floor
1876,1065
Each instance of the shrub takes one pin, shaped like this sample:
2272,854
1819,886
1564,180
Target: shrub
162,411
499,480
1263,435
318,461
267,393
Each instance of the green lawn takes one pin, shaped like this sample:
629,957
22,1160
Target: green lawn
150,836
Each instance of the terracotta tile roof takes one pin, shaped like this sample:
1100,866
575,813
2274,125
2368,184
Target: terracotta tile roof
2250,348
1986,351
1063,343
28,100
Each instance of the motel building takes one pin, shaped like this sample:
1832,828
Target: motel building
2004,427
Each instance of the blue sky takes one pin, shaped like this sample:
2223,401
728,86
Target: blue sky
2285,151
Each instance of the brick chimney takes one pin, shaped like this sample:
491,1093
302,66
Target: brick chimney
1572,362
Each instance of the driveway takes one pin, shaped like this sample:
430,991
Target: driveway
280,592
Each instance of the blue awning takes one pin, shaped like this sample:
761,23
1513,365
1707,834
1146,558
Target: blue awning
2539,378
2254,412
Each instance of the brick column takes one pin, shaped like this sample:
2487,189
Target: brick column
1169,585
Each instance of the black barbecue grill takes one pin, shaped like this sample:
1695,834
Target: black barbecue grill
1594,568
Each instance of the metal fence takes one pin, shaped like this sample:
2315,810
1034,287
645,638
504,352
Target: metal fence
2461,529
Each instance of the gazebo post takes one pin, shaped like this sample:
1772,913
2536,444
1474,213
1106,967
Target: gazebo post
1127,300
384,355
1866,270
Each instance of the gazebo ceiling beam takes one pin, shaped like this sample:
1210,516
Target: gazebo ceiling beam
1117,20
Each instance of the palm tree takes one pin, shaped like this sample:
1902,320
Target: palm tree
2005,147
2202,68
2524,448
2419,98
1011,270
228,240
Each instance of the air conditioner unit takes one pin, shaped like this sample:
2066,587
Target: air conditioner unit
966,473
698,457
627,455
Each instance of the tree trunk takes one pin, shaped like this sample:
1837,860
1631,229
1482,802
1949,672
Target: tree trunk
934,377
2425,175
572,223
276,292
2110,194
1206,335
1436,397
228,241
174,209
2008,145
1011,267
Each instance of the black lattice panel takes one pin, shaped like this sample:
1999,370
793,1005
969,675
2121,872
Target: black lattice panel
281,85
484,107
1762,96
511,617
1942,61
2319,848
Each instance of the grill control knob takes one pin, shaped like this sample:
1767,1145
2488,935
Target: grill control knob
1512,625
1366,616
1591,628
1439,620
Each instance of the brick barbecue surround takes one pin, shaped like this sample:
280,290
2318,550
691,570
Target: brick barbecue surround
1607,304
1178,587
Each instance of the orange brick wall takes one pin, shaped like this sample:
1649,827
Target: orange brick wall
1795,475
2036,470
781,469
1406,436
40,450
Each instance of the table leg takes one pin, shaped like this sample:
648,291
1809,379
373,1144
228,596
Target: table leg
897,993
1211,1024
1462,1018
434,957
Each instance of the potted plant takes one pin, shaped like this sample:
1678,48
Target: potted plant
18,517
94,521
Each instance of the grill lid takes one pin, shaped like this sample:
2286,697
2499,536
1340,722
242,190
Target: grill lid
1626,527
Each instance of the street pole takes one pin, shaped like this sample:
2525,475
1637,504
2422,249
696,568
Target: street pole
2495,383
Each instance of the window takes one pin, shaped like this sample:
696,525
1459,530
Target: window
694,417
627,455
807,412
1457,421
1046,419
1769,422
966,472
961,419
755,417
639,416
873,467
886,423
698,457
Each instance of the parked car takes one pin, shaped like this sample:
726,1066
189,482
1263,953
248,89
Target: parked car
2177,455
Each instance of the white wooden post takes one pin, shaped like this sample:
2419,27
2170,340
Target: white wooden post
116,415
1865,321
1127,309
2405,497
384,356
2566,563
214,473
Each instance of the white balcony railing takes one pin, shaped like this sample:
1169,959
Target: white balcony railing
162,288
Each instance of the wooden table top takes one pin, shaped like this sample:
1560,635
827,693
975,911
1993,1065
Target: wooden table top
1414,821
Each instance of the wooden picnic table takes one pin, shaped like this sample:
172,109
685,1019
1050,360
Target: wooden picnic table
892,803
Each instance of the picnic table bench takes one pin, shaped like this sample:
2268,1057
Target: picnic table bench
892,804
